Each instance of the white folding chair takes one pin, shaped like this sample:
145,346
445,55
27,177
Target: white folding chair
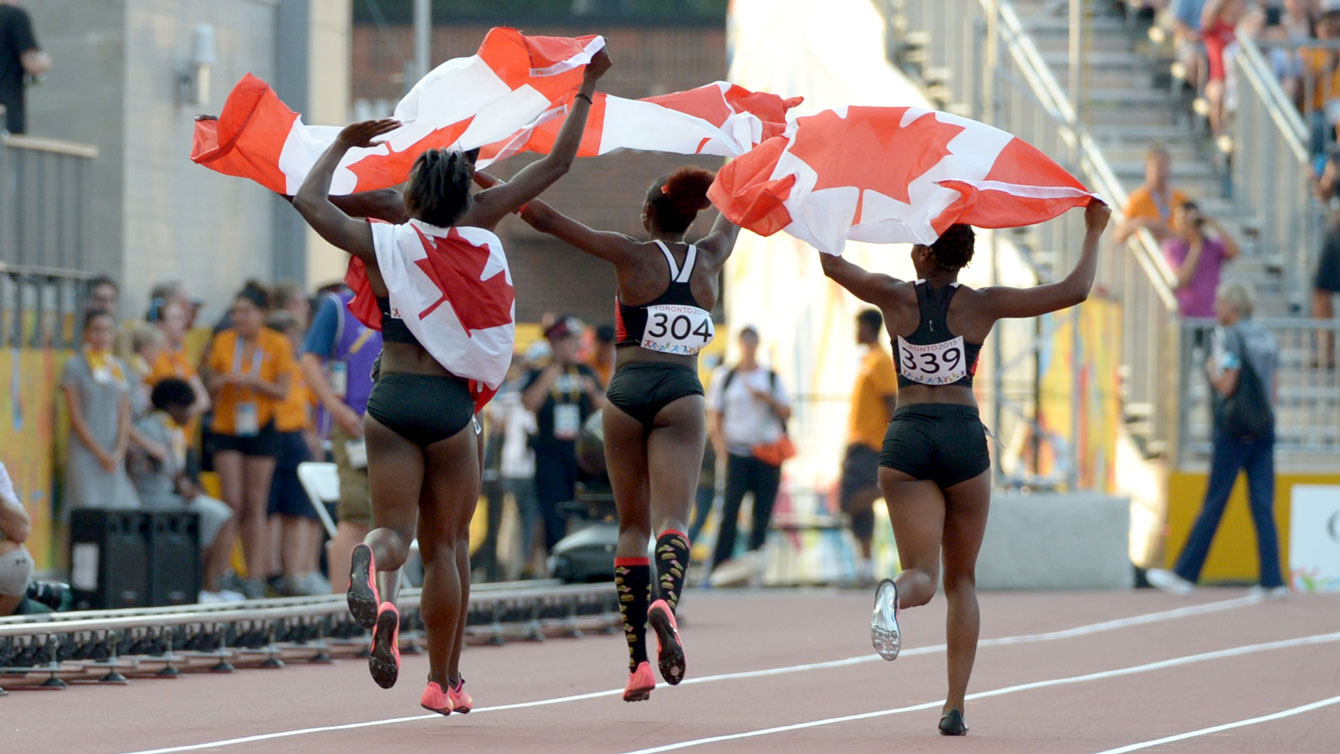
321,482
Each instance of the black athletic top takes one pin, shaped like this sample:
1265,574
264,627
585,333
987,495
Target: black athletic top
933,355
673,322
394,329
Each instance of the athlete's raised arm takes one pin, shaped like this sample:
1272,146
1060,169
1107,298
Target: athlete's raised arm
871,287
313,199
1002,302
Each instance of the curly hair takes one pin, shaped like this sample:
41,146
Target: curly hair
953,249
674,200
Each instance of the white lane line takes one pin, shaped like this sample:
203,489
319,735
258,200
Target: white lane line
1226,726
1066,681
1091,628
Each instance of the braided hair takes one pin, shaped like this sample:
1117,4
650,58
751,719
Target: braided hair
438,191
674,200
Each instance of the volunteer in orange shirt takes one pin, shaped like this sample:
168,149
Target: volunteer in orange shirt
248,372
872,403
171,319
292,516
1151,206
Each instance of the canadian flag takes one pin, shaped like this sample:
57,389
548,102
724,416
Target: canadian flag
463,103
891,175
453,290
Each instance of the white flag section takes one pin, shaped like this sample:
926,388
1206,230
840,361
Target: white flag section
453,290
464,103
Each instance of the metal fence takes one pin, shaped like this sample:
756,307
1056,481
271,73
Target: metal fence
1307,402
45,239
1273,161
978,56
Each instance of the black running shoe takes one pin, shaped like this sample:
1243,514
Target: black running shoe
951,723
362,594
670,650
384,659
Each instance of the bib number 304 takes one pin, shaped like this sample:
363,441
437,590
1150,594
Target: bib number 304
936,364
677,329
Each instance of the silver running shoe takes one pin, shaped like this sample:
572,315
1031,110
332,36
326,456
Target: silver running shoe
884,633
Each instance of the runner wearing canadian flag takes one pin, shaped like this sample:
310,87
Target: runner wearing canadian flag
441,283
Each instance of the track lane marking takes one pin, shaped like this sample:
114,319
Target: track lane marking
1064,681
1067,633
1226,726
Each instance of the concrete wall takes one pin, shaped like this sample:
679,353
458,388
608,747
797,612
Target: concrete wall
1056,541
156,213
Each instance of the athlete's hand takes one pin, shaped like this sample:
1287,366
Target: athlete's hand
598,66
362,133
1096,216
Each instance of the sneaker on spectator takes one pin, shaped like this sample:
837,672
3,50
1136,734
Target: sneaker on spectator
1169,582
1269,593
210,598
228,595
252,589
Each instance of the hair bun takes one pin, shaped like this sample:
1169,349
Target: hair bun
687,189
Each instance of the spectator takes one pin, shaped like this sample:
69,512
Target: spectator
337,364
16,565
248,371
747,408
517,461
1219,23
1150,206
601,358
20,57
1295,23
1241,371
1197,259
289,297
872,403
1321,101
165,485
103,294
1187,19
561,395
172,319
146,344
292,516
97,397
1326,282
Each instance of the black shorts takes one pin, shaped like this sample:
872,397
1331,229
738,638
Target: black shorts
941,442
287,496
1328,269
263,443
860,471
422,408
641,390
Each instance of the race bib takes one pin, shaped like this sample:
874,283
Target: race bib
673,328
358,453
567,421
246,422
936,364
339,378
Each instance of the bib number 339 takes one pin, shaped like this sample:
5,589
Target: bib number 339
677,329
936,364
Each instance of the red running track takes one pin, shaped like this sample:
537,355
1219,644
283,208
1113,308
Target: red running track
1059,672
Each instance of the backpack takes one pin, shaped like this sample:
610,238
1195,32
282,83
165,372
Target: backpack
1247,412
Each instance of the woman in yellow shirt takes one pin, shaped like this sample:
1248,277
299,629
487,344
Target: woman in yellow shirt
248,372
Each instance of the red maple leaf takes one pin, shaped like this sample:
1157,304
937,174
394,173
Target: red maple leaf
871,150
455,266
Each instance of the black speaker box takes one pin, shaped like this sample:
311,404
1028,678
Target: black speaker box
174,558
109,559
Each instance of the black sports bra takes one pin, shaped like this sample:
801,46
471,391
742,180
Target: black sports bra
933,355
394,329
673,322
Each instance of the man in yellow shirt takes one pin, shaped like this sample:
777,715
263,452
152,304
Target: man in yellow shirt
1150,206
872,403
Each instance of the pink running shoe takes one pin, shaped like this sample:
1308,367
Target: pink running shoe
640,684
384,659
362,594
460,699
434,699
670,650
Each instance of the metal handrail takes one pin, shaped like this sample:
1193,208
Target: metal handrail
43,144
1283,112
